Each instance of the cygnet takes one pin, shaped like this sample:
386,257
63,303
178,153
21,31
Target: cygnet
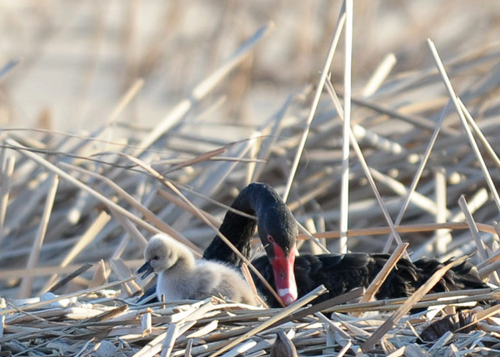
181,276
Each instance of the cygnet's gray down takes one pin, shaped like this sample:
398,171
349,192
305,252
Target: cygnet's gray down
181,276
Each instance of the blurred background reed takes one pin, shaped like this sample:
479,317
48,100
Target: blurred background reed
77,58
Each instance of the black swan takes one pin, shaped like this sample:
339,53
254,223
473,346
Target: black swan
294,276
182,277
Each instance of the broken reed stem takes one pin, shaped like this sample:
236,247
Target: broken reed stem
70,277
314,106
6,181
169,341
336,301
253,154
465,125
313,239
399,188
86,239
480,135
379,75
477,239
447,298
414,120
196,160
418,174
410,228
441,238
248,277
347,135
154,346
27,282
473,228
344,349
375,285
125,100
489,266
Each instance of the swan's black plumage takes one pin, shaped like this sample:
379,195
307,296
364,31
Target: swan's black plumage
338,272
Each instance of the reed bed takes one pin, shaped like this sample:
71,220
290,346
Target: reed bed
418,179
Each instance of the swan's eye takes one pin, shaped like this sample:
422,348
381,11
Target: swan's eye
270,239
155,257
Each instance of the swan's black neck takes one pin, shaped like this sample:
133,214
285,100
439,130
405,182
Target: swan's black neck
263,202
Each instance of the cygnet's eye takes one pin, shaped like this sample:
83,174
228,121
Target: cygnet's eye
155,257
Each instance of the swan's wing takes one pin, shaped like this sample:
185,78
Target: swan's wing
340,273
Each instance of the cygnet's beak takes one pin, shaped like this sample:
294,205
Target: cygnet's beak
147,269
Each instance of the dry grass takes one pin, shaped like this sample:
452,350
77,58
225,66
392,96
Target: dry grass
76,211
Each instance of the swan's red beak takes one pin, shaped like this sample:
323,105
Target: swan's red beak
284,277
